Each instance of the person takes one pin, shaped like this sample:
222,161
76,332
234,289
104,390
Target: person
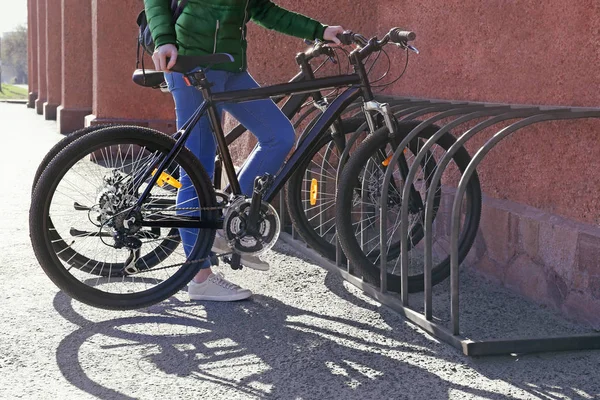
219,26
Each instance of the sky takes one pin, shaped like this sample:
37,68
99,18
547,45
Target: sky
12,14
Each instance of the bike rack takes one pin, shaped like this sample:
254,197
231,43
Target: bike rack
494,113
490,114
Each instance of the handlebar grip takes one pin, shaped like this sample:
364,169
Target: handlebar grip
397,35
347,38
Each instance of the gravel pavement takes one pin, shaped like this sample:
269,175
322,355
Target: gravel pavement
305,334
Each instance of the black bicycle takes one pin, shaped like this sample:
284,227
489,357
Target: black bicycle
122,181
302,108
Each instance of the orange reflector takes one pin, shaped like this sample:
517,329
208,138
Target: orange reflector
314,190
386,162
165,178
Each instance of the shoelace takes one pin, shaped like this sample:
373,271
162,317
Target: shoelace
219,279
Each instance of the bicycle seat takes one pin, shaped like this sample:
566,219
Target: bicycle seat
184,64
148,78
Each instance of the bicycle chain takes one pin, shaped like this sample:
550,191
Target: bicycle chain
215,208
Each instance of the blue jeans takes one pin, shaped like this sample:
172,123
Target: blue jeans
263,119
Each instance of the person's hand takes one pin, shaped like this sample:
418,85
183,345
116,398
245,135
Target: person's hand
161,54
331,33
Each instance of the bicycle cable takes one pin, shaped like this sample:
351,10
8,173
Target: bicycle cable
383,86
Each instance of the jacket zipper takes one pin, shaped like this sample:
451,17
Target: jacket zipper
216,34
243,32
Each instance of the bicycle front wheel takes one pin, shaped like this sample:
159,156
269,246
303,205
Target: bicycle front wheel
358,208
310,192
81,210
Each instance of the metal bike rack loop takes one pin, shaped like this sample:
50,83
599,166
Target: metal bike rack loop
485,115
495,113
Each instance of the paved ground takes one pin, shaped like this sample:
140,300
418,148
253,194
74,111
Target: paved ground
304,335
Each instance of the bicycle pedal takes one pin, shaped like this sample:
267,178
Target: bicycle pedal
234,260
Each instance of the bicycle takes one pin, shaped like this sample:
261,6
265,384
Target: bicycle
294,106
126,198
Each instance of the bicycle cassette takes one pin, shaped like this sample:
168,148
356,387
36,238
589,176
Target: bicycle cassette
234,227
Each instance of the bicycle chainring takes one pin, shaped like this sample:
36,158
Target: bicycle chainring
234,227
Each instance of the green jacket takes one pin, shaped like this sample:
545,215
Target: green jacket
219,26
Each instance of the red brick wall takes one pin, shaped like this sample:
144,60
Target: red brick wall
491,51
542,53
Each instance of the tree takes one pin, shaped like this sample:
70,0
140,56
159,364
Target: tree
14,52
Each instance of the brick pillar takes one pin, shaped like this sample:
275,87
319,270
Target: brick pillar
41,56
116,98
32,66
53,57
76,79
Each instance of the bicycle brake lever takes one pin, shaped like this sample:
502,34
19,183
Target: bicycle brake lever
413,48
408,47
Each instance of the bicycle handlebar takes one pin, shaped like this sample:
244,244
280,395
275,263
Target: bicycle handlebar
399,36
395,35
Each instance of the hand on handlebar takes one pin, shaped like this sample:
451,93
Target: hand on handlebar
162,54
331,33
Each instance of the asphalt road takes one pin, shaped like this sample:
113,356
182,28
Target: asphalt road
305,334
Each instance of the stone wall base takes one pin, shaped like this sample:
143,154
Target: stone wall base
549,259
166,126
71,119
39,106
31,99
50,111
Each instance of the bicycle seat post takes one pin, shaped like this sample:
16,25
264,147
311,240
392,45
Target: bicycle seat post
199,80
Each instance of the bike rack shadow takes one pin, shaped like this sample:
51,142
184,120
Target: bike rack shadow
484,115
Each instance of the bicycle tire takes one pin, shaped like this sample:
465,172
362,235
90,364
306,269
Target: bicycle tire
148,260
57,148
349,242
39,216
294,198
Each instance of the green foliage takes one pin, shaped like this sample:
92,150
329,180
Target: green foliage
14,51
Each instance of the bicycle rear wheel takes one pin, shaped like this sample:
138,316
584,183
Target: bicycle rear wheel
359,220
88,188
148,260
58,147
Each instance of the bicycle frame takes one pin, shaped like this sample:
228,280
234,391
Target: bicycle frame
330,115
358,86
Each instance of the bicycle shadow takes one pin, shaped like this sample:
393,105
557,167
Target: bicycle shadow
265,348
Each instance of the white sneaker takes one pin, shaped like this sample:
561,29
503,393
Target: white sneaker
217,288
221,246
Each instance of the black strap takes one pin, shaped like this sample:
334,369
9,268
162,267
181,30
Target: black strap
177,8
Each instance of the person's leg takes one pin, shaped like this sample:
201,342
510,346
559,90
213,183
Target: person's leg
200,142
205,285
274,131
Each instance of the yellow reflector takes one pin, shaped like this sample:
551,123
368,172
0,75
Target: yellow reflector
314,190
168,179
